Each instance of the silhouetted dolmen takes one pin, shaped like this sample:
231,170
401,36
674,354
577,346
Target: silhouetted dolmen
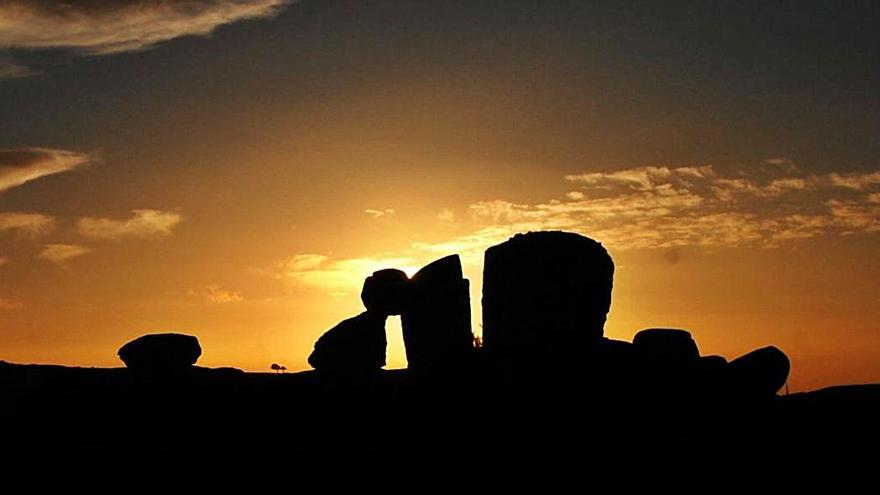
545,293
161,354
357,345
437,322
546,296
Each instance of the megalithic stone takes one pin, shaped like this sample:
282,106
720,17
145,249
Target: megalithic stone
162,356
161,352
668,361
354,346
761,372
357,345
437,322
545,294
667,345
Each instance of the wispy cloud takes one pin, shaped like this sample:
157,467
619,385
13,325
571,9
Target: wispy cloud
853,180
854,216
337,276
21,165
103,27
380,213
642,178
144,224
663,206
31,224
61,253
99,27
214,294
446,215
643,208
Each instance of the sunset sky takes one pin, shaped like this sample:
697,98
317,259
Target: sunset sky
233,169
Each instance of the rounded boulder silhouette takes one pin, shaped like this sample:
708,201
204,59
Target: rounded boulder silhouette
161,352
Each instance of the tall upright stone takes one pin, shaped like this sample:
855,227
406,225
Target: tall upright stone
437,321
545,295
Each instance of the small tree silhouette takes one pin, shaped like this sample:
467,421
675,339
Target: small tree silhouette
277,368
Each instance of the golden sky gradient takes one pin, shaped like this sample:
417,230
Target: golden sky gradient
234,169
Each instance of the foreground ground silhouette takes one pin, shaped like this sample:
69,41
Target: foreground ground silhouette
545,381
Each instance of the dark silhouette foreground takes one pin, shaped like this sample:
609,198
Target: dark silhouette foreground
356,346
546,297
546,382
161,356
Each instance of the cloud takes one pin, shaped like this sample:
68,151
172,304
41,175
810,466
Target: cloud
853,180
664,207
657,208
303,263
337,276
380,213
144,224
214,294
9,304
446,215
639,178
779,185
854,216
728,189
469,246
786,165
32,224
61,253
101,27
498,210
3,260
21,165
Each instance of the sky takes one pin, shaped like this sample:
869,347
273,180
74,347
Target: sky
234,169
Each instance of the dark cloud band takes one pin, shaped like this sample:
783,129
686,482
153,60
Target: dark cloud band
22,165
102,27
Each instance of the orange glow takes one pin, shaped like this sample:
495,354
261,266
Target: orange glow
240,186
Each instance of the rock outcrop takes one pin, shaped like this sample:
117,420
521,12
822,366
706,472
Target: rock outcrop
386,292
161,354
545,293
669,345
546,296
357,345
762,372
437,321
